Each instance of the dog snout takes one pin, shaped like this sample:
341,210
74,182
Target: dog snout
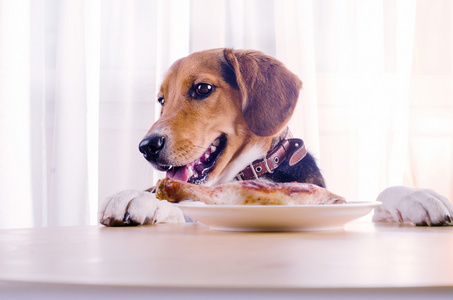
151,146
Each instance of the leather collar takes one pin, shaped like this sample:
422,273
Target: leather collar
292,149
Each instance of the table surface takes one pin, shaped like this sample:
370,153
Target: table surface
363,255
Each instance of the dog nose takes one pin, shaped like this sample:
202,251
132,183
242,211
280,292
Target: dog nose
151,146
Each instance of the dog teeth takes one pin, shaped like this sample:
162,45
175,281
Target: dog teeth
213,149
216,142
190,172
206,156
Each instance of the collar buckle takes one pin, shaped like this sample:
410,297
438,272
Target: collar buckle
292,149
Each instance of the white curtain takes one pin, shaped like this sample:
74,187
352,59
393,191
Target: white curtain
78,81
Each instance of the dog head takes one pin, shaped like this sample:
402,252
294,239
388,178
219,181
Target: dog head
218,105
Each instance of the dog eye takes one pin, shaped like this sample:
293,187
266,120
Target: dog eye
161,100
202,90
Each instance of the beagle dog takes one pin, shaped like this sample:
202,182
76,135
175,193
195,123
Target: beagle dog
224,117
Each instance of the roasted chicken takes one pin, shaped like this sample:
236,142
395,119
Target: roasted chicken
246,193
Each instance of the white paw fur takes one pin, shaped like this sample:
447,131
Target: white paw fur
417,206
138,208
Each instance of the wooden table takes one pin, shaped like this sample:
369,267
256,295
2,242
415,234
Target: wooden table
190,261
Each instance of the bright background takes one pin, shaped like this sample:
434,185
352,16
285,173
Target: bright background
78,84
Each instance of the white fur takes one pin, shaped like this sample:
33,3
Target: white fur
418,206
140,208
253,153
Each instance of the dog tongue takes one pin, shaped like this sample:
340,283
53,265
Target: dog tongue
180,173
197,167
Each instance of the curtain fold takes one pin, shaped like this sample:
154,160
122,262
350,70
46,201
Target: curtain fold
78,85
16,206
68,180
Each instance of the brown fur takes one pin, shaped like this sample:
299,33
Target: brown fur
269,90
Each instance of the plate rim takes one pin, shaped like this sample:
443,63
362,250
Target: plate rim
249,206
204,213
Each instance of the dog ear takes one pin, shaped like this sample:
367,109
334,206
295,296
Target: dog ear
269,90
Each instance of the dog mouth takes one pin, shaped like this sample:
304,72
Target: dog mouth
197,171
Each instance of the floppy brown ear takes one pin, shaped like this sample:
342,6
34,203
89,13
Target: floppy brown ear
269,90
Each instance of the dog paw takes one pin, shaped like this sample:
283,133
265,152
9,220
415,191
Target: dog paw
132,208
417,206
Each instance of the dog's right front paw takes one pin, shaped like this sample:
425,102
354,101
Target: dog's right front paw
132,208
417,206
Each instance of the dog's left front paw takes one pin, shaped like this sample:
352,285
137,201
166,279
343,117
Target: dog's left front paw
132,208
417,206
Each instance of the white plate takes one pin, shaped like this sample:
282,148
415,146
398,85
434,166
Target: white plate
277,217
